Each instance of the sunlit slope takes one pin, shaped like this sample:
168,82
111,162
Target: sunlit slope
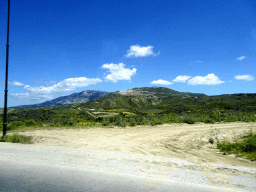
170,100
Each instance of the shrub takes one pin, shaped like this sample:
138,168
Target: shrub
247,147
15,138
145,121
188,120
105,123
13,125
155,122
249,144
208,120
121,114
17,123
251,117
81,123
133,123
58,125
68,123
121,123
40,124
232,118
30,123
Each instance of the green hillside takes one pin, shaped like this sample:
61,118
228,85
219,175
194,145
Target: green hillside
140,106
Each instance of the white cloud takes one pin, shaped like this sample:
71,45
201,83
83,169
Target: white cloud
41,92
241,58
210,79
51,82
15,83
181,78
45,82
118,72
244,77
138,51
31,96
161,82
64,86
20,95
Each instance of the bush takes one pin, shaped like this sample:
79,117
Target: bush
71,123
133,123
251,118
232,118
58,125
247,147
121,114
81,123
68,123
156,122
188,120
17,123
40,124
30,123
121,123
145,121
153,123
209,121
105,123
17,139
14,124
249,144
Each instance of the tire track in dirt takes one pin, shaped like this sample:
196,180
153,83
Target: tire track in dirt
182,141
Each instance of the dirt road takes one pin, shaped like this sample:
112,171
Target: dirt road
183,141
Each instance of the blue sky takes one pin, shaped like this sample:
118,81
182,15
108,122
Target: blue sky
58,47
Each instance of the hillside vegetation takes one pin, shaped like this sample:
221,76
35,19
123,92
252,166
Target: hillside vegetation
141,106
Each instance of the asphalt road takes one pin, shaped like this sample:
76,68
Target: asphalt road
56,168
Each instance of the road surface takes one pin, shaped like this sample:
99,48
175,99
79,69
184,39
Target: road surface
26,167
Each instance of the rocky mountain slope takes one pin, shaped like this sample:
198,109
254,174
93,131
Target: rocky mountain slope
74,98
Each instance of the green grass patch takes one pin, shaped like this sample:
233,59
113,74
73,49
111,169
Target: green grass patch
16,138
243,146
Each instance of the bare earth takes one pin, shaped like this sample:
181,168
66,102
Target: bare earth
182,141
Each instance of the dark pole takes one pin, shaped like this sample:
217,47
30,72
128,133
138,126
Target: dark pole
6,74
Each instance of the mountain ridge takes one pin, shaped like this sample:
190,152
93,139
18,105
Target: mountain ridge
143,96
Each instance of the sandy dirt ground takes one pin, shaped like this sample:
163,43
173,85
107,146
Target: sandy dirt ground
183,141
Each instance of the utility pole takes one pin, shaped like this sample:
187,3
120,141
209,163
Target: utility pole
6,74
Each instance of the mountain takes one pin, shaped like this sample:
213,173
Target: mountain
86,96
74,98
156,92
148,98
149,92
164,99
144,98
